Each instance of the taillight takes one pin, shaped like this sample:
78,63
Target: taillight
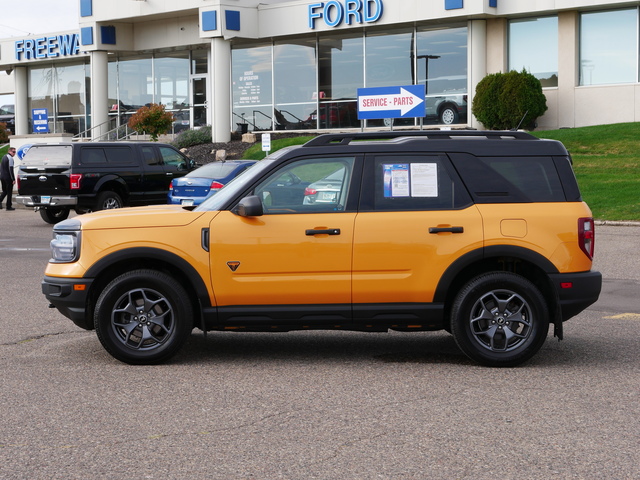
310,191
586,236
74,181
171,186
216,185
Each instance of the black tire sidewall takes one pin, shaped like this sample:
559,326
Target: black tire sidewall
167,287
469,295
103,196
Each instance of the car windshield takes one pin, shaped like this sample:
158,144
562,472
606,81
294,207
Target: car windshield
214,170
234,187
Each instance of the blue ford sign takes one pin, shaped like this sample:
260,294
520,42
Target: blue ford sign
391,102
335,12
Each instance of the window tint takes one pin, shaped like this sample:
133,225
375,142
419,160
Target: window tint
307,186
510,179
119,156
92,156
149,156
414,183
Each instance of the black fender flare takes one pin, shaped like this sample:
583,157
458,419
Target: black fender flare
155,254
485,253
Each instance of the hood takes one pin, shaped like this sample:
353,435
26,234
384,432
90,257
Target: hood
139,217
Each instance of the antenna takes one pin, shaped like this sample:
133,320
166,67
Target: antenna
521,120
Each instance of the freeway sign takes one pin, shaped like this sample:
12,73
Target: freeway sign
40,120
391,102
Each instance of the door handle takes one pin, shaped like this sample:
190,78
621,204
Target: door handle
326,231
446,229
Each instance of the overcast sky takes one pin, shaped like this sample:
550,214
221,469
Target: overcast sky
20,18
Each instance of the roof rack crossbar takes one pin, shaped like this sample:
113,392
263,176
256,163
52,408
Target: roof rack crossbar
347,138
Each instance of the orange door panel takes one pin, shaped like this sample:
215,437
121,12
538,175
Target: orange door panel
396,259
282,259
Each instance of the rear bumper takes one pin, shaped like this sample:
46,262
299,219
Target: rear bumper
41,200
576,291
69,296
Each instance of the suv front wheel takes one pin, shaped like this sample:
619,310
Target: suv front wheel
499,319
143,317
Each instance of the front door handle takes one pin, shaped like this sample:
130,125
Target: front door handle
446,229
326,231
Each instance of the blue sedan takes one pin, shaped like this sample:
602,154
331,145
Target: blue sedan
196,186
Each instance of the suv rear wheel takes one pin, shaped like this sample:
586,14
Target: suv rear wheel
143,317
499,319
54,215
108,200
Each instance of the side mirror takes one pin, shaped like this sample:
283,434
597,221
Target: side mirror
250,206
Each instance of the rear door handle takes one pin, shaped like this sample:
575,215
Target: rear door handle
326,231
446,229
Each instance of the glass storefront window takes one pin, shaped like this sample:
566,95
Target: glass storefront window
172,80
609,47
533,45
251,84
62,90
340,74
295,81
441,66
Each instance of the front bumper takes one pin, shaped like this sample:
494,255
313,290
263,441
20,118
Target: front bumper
576,291
46,200
69,296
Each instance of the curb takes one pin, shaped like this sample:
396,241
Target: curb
616,223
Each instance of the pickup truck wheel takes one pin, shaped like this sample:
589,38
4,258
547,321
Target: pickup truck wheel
143,317
54,215
500,319
108,200
449,115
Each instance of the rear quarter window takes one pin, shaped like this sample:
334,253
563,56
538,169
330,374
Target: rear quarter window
106,156
510,179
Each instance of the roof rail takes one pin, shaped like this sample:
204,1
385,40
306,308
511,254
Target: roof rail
347,138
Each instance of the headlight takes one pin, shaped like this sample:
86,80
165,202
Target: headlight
65,246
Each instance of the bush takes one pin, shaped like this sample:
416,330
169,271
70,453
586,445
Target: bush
151,119
505,100
4,133
189,138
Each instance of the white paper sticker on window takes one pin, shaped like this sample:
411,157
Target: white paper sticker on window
396,180
424,180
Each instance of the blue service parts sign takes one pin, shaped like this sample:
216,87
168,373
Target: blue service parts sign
391,102
22,150
40,120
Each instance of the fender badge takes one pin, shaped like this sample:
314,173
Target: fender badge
233,266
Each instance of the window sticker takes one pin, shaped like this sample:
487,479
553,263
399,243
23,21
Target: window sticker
424,179
396,180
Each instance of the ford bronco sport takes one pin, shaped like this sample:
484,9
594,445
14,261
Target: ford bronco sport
483,234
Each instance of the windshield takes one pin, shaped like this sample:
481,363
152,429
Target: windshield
234,188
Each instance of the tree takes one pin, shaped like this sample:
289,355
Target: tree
504,101
151,119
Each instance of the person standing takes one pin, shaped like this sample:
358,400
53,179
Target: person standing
7,177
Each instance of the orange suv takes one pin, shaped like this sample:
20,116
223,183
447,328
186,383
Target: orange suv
482,234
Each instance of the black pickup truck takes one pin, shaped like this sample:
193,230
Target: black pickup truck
55,178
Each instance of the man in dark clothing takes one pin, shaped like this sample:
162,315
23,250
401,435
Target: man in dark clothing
7,177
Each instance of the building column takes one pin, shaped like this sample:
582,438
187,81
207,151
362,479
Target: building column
21,96
99,94
220,91
568,67
476,62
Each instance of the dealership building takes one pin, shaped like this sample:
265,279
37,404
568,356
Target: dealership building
268,65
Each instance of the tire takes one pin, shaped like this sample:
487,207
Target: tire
448,115
143,317
54,215
108,200
500,319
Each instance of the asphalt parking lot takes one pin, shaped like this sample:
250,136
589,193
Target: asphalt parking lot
316,405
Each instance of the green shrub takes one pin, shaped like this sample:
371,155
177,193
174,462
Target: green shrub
152,120
189,138
505,100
